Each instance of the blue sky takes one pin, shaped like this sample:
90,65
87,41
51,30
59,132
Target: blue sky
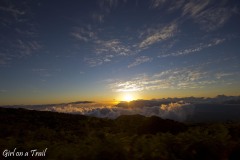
61,51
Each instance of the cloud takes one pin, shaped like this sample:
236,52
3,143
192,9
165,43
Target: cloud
214,18
157,3
18,49
98,17
140,60
84,34
175,5
14,12
179,78
4,58
222,75
44,72
197,48
95,61
27,47
194,8
158,35
113,46
176,110
103,50
20,37
210,18
106,50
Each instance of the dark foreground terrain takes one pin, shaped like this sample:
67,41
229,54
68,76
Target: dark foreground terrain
69,136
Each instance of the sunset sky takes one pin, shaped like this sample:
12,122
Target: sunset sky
114,50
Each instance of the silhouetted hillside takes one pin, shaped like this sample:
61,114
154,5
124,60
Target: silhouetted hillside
69,136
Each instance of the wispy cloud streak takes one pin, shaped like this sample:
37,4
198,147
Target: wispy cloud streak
158,35
140,60
198,48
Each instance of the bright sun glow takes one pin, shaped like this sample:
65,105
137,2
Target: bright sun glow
128,98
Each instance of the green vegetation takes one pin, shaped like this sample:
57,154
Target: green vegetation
128,137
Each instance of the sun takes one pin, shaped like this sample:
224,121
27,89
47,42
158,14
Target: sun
128,97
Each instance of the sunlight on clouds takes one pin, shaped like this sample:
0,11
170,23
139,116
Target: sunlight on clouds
177,111
170,79
128,97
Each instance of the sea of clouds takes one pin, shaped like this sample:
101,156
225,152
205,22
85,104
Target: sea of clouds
176,111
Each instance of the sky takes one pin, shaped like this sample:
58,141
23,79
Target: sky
110,50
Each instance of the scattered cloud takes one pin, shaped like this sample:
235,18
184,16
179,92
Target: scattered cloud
95,61
98,17
39,69
13,11
197,48
158,35
19,36
140,60
175,5
85,34
105,51
170,79
194,8
157,3
27,47
113,46
209,18
214,18
45,73
4,58
222,75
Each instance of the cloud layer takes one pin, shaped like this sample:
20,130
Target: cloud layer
177,111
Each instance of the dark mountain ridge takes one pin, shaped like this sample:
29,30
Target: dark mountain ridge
69,136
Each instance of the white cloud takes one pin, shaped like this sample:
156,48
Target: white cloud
27,47
140,60
158,35
157,3
176,5
194,8
93,62
222,75
177,110
21,40
197,48
210,18
84,34
181,78
214,18
14,12
113,46
106,50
